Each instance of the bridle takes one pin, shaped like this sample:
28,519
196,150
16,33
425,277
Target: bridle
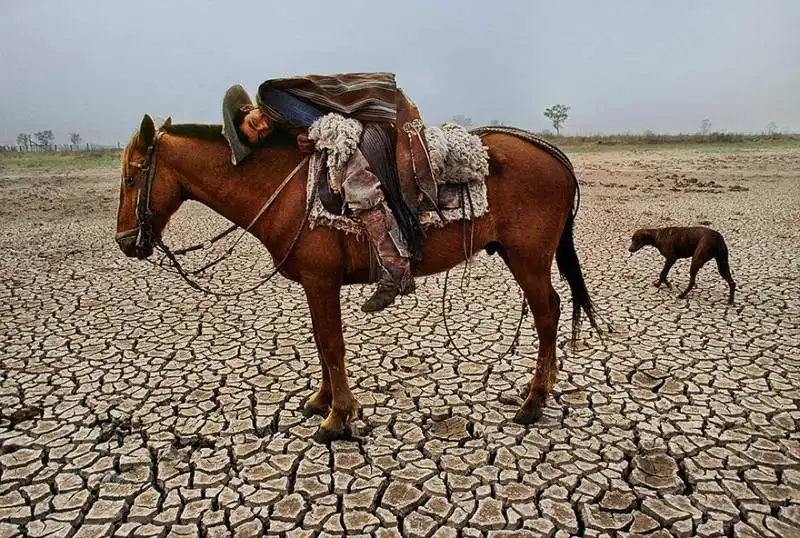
145,238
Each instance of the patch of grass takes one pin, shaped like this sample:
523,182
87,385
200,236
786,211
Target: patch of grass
60,161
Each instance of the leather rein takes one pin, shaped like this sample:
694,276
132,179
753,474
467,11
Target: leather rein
147,240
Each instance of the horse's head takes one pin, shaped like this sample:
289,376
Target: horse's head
149,193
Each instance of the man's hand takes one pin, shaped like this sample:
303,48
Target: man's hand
305,144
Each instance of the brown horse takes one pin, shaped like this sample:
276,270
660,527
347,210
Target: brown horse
530,193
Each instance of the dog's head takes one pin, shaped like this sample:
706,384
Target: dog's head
641,238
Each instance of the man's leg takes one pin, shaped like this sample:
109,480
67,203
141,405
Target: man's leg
362,193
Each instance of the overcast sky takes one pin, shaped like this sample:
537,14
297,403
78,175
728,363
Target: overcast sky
96,67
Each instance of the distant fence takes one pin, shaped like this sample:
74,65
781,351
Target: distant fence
40,148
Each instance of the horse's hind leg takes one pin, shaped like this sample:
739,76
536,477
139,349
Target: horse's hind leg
545,305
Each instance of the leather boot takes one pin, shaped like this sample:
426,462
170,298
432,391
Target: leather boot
396,277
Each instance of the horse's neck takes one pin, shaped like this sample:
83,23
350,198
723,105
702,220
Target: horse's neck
236,193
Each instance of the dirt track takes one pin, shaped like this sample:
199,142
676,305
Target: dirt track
131,405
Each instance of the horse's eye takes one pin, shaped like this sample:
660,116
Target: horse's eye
129,181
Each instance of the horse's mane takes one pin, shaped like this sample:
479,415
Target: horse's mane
280,137
132,143
203,131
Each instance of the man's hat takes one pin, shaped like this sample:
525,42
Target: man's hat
235,97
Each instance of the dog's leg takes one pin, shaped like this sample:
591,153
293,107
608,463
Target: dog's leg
662,278
725,272
699,259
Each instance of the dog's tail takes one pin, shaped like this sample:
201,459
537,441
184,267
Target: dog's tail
570,269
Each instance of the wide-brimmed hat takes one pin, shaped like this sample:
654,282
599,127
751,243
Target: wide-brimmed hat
235,97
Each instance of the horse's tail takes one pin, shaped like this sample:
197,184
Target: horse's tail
570,269
566,257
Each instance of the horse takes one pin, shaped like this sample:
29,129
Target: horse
532,206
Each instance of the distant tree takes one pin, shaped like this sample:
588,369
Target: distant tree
462,121
557,114
24,141
75,139
772,128
45,138
494,122
705,126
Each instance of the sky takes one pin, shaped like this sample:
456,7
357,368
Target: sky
96,67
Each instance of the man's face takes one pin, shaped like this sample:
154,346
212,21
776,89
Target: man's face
256,126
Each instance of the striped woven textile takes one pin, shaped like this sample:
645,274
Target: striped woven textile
363,96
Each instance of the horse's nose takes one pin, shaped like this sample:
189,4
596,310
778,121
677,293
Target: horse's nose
127,246
127,242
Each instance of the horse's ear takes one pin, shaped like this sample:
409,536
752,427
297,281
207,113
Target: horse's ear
147,131
167,121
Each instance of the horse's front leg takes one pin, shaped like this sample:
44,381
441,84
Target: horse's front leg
326,316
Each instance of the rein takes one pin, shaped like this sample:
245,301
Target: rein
219,236
146,238
467,257
178,268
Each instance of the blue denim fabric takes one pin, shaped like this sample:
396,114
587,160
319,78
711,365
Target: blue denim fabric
287,108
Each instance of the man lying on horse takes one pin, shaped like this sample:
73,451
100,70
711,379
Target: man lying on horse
295,104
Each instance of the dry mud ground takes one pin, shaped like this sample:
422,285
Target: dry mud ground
132,405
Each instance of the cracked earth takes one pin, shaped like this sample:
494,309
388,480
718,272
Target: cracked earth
134,406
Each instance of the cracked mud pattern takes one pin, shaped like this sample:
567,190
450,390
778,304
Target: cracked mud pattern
131,405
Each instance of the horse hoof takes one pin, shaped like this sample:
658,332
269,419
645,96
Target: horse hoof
309,410
326,435
528,416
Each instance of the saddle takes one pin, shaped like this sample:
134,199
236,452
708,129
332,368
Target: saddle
413,184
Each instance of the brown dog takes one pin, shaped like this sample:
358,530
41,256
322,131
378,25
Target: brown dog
696,242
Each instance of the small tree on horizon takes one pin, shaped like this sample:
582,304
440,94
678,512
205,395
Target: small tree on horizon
462,120
705,126
557,114
75,139
45,138
24,141
772,128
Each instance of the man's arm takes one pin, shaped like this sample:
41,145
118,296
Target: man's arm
304,144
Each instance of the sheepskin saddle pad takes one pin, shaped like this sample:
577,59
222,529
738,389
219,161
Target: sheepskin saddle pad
459,162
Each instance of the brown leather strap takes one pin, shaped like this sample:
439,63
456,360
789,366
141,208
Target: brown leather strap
413,165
